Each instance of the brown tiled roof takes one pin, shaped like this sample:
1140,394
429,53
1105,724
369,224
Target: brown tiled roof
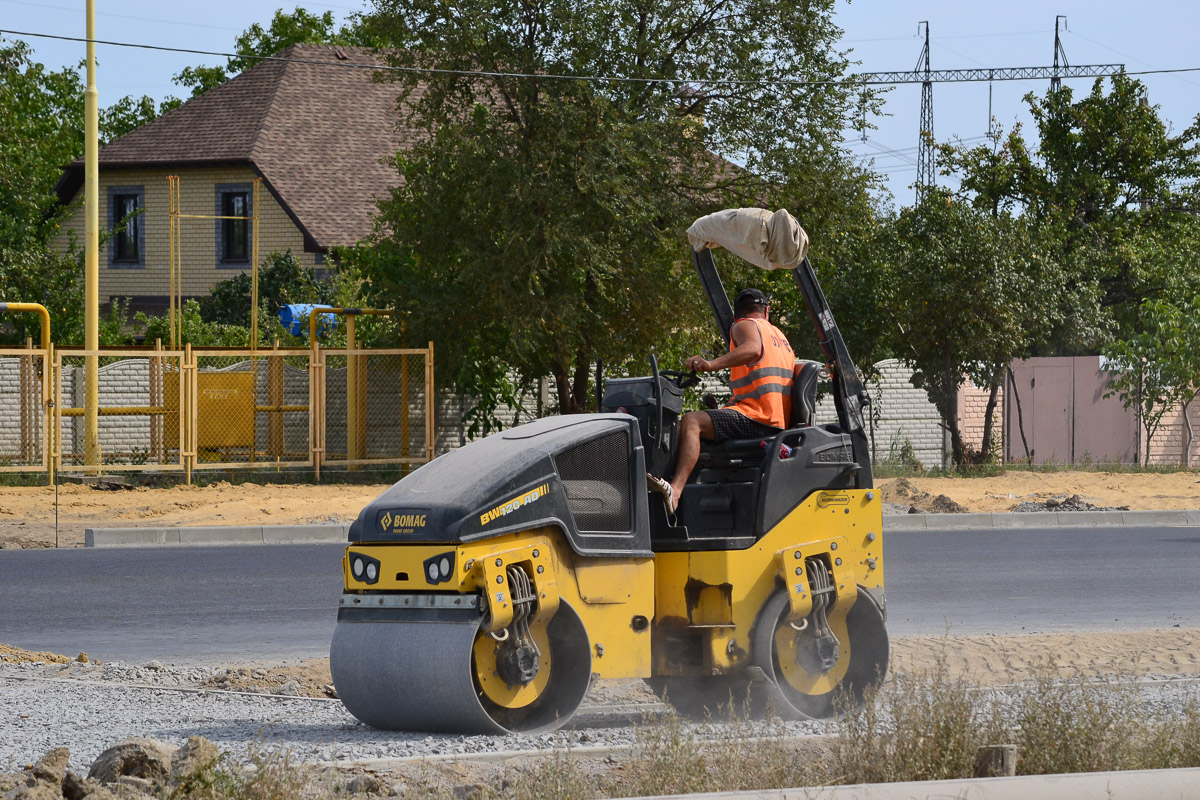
320,136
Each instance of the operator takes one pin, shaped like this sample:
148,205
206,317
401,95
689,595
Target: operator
760,361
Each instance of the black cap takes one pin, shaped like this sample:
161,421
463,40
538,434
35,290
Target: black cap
750,297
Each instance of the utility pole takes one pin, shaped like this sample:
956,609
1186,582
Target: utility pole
1055,80
926,170
91,292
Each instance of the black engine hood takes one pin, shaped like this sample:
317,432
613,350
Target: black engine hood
509,482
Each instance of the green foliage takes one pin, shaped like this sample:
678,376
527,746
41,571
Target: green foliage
41,129
1158,368
35,274
129,113
966,294
285,30
1111,192
282,279
194,330
542,229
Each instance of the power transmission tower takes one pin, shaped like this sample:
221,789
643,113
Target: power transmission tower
923,74
926,169
1056,81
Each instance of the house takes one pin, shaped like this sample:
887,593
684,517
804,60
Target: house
314,126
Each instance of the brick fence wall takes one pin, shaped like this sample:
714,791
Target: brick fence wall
901,413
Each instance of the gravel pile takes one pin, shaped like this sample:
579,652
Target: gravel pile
1072,503
88,708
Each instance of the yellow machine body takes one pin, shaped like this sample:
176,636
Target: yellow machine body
676,613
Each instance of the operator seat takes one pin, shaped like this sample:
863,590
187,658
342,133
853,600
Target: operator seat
734,452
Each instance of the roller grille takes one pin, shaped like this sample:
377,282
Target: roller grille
595,476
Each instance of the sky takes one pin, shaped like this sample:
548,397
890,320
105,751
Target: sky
882,35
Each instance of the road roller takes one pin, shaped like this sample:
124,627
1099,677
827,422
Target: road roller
487,590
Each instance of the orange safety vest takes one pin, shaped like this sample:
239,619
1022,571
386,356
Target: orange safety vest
763,390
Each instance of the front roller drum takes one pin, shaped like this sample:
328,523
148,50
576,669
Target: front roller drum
798,686
441,676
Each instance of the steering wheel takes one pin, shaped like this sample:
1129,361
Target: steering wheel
656,387
682,380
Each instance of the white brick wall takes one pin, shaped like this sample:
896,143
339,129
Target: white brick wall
900,412
10,412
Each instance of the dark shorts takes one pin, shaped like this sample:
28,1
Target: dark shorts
730,424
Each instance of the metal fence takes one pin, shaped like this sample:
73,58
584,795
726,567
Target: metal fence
192,409
376,407
139,423
25,420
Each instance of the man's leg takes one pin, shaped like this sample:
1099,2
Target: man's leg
694,426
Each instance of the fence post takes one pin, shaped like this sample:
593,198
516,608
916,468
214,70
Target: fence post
352,452
275,401
49,405
187,417
316,406
430,405
25,400
56,456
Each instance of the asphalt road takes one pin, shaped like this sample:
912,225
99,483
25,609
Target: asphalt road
277,602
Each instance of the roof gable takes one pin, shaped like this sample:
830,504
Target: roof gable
321,135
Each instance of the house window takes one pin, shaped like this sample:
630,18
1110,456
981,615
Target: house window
127,238
233,232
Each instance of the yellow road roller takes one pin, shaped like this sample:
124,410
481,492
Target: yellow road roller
488,589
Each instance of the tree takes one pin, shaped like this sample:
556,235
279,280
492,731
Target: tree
285,30
1158,368
41,130
538,225
129,113
1111,190
966,293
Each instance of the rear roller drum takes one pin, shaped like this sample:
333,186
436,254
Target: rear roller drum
455,677
806,672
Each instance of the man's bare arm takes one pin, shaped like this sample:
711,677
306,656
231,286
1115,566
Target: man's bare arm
747,348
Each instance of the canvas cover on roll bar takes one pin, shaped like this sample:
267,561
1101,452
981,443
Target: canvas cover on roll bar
767,240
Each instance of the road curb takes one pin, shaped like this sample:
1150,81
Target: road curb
1041,519
212,535
1179,784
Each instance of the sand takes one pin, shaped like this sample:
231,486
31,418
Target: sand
1140,491
981,660
27,513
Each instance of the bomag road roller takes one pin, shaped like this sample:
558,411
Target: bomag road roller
487,590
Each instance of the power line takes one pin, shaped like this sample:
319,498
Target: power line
860,79
121,16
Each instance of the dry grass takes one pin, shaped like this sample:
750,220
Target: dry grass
924,726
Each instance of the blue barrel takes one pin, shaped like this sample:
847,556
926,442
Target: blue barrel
294,317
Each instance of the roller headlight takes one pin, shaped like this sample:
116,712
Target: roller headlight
440,568
364,568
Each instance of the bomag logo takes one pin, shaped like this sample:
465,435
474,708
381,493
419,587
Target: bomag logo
395,522
827,499
514,504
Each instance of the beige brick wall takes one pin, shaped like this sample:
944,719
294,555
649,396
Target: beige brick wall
1166,447
198,236
972,414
